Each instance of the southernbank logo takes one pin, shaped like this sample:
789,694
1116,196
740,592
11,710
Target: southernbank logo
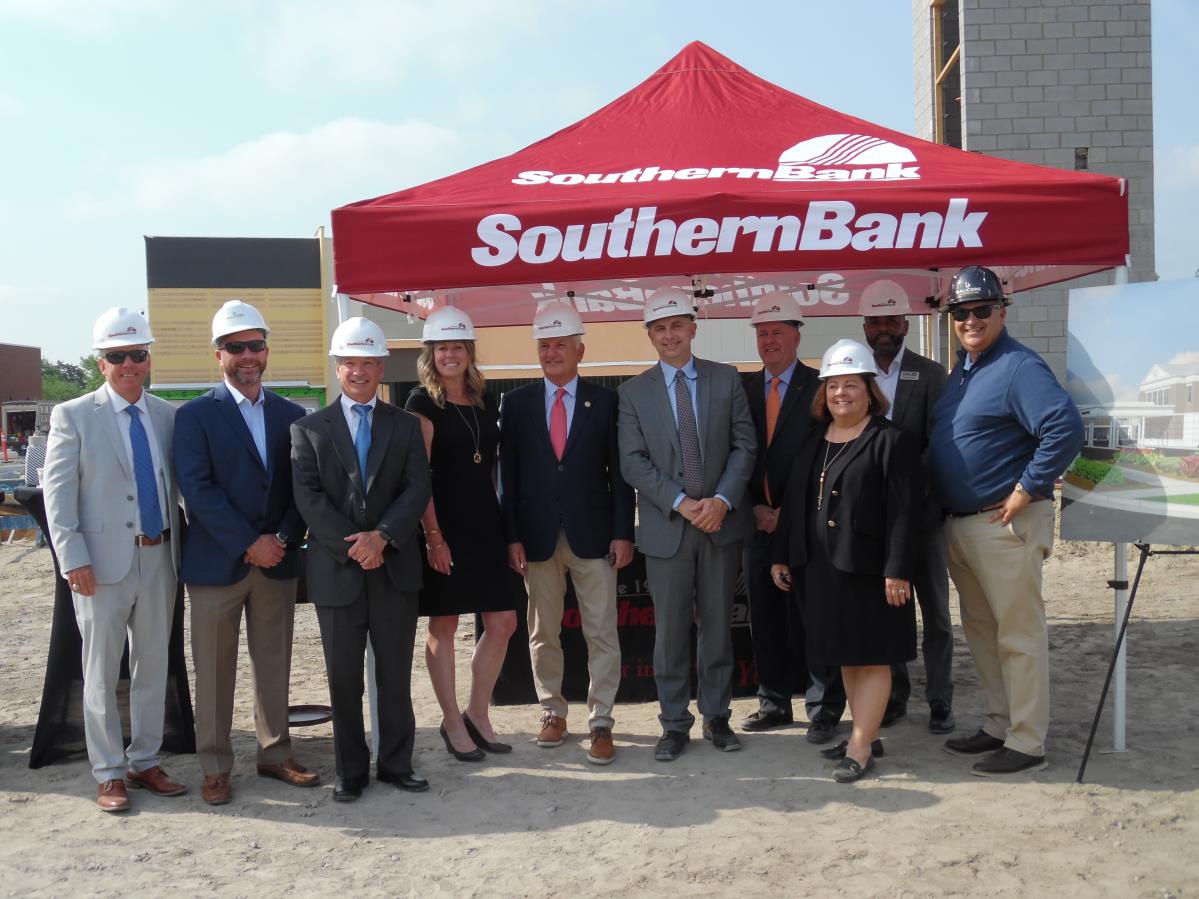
829,157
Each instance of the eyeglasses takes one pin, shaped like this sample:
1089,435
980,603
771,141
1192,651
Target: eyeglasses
117,357
982,313
237,347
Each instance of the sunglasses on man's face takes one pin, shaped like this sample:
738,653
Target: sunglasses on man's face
982,313
117,357
237,347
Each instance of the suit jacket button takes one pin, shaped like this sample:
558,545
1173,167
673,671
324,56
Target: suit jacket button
560,468
831,523
128,524
835,493
130,498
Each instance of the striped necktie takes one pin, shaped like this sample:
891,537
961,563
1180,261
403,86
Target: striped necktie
143,475
693,465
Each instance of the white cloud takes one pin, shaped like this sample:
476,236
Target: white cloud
1176,167
372,41
1188,358
349,159
87,16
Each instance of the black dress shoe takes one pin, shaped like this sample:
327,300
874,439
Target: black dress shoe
821,731
412,783
765,720
721,735
471,755
347,789
481,741
671,745
940,718
838,751
976,744
894,712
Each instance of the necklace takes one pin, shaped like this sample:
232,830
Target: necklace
827,462
475,435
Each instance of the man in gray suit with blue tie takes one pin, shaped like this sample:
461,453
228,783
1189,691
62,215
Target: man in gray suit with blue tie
112,506
687,445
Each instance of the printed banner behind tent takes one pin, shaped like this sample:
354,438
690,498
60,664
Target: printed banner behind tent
1133,370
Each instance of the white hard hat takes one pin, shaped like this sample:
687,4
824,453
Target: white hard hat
448,323
121,327
235,316
776,306
667,301
847,357
557,320
884,298
358,336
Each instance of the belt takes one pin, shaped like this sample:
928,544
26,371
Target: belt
143,540
948,514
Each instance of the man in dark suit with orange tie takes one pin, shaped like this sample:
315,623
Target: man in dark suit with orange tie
780,401
361,481
567,509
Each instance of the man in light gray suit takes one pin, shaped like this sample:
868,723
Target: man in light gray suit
913,384
687,445
112,505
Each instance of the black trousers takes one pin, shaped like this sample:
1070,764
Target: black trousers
387,618
776,630
931,585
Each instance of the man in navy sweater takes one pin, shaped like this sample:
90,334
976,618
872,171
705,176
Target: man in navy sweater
1004,429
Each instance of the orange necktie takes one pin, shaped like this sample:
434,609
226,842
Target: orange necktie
772,419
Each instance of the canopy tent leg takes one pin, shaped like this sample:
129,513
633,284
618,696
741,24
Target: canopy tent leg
1119,701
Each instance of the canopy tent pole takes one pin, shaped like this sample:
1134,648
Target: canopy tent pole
1120,583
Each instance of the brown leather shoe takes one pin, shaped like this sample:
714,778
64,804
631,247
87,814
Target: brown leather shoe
156,781
602,750
553,730
112,796
216,789
290,772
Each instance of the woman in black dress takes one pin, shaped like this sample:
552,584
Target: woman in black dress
846,530
466,553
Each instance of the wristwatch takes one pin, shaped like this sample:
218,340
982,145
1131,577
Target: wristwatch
1019,488
386,536
281,538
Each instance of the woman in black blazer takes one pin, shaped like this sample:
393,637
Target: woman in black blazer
845,532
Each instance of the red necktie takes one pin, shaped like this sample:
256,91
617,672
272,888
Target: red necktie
772,418
558,424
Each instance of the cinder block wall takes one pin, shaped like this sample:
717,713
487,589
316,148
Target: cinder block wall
1041,78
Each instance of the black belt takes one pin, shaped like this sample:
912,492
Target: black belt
948,514
143,540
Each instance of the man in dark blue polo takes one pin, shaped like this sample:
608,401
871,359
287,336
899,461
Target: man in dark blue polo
1004,429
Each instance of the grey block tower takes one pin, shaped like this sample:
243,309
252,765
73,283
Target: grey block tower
1063,83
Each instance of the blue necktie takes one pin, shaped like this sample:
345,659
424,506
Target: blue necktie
362,437
143,475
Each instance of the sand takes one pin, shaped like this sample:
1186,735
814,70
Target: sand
765,821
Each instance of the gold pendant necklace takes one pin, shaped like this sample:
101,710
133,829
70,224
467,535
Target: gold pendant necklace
476,435
827,462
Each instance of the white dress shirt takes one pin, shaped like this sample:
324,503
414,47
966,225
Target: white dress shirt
889,380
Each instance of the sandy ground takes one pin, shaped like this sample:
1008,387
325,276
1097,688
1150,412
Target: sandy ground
766,821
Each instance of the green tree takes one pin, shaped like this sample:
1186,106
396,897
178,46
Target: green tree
91,369
59,382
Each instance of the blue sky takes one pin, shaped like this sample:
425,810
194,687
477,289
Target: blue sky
122,118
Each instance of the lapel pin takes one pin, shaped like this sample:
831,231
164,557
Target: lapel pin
587,403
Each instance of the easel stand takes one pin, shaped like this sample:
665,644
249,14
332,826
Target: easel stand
1117,651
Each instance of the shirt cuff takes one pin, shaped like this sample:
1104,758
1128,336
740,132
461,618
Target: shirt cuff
678,500
724,499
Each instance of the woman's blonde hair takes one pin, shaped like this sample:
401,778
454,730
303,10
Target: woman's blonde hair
426,370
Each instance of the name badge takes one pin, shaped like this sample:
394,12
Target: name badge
909,376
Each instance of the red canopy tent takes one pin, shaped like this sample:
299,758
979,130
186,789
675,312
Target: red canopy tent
707,175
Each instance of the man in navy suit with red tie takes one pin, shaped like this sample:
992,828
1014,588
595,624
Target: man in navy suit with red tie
567,509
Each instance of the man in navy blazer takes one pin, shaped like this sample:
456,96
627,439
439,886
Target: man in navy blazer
567,509
232,449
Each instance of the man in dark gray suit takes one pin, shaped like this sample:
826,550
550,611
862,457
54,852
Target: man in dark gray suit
913,384
361,481
687,445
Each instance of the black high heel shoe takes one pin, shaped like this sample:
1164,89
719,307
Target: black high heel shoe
472,755
499,748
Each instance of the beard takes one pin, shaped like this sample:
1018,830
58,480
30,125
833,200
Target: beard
244,376
886,344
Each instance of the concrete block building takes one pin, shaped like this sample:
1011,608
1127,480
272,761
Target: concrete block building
1063,83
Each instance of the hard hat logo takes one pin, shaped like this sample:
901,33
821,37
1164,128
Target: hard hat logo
126,332
556,323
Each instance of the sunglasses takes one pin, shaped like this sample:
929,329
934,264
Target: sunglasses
982,313
117,357
237,347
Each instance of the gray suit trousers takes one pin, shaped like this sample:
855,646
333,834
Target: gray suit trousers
699,578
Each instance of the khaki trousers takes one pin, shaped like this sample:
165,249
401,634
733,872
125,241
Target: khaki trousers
595,587
997,571
216,612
